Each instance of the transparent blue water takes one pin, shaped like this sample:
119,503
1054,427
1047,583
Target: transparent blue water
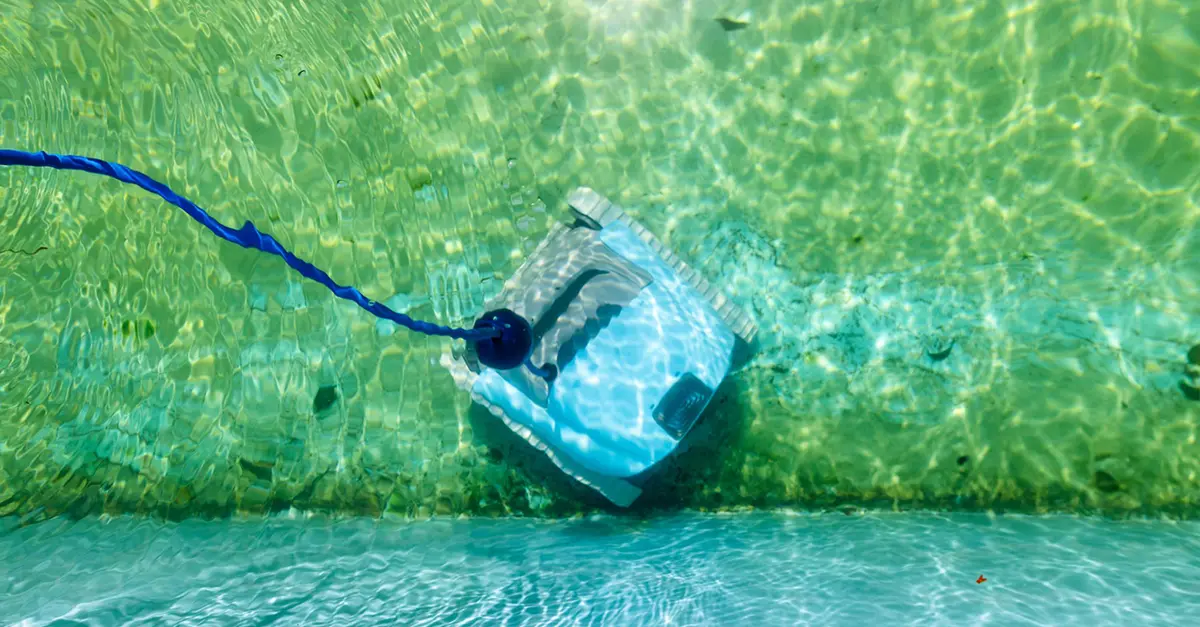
751,569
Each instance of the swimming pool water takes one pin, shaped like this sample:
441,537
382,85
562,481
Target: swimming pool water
756,569
965,229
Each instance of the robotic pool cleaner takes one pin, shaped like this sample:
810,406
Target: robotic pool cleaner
602,350
633,344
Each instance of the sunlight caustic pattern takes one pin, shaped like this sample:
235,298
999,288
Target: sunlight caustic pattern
965,228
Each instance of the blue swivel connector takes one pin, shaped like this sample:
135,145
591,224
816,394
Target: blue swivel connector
509,349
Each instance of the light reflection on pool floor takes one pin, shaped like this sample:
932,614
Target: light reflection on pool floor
750,569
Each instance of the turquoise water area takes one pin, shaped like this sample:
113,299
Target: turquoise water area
752,569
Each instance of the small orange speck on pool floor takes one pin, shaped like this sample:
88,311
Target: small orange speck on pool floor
981,579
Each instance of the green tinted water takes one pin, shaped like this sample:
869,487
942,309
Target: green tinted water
1032,166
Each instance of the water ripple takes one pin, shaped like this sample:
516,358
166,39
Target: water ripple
768,569
1028,171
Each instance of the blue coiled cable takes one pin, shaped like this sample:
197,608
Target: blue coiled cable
502,339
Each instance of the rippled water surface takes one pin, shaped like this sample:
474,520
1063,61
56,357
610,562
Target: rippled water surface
965,228
759,569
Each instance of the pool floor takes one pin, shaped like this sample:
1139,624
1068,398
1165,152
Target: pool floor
688,569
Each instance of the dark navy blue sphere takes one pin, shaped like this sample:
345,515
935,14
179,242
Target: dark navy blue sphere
512,347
